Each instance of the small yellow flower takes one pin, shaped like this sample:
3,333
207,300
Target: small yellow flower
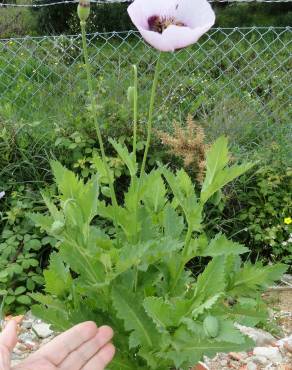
287,220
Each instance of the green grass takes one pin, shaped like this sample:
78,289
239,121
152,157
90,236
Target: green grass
249,67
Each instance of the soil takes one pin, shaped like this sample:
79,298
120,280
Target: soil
280,300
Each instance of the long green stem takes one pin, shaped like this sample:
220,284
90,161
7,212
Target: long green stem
135,110
150,114
97,128
184,258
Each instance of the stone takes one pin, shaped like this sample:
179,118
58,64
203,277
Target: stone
260,360
259,336
288,346
27,337
271,353
285,367
286,343
236,356
251,366
42,330
223,363
27,324
287,279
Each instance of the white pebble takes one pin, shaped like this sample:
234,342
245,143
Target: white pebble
251,366
42,330
271,353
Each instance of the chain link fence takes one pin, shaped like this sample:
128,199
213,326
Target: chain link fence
229,72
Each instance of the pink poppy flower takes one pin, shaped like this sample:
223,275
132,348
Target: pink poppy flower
169,25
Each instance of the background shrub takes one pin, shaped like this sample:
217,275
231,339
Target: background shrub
253,212
24,249
17,22
113,17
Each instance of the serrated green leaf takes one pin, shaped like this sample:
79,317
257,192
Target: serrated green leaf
58,278
88,200
165,314
84,262
220,245
101,170
55,213
45,222
218,174
223,178
144,254
184,193
192,351
130,310
79,199
210,283
127,158
205,306
216,159
245,314
122,362
154,200
67,182
228,333
173,224
252,278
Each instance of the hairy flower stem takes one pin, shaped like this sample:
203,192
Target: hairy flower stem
150,114
135,110
184,259
97,128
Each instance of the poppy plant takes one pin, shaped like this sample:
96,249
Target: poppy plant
168,25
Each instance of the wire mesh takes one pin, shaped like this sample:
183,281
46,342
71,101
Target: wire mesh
246,70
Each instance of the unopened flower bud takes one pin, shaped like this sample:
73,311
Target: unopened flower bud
83,10
131,94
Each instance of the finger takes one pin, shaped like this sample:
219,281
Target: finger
101,359
78,358
37,364
4,358
8,337
60,347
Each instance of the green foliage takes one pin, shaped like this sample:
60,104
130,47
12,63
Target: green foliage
113,17
23,251
137,280
254,14
217,173
16,22
254,212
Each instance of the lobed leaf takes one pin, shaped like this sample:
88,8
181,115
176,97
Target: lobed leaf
130,310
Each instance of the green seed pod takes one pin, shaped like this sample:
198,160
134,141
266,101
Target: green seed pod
211,326
57,227
131,94
83,10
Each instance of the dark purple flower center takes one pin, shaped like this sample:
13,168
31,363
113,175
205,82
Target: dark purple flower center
159,24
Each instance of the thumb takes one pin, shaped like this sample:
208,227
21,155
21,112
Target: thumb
8,339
